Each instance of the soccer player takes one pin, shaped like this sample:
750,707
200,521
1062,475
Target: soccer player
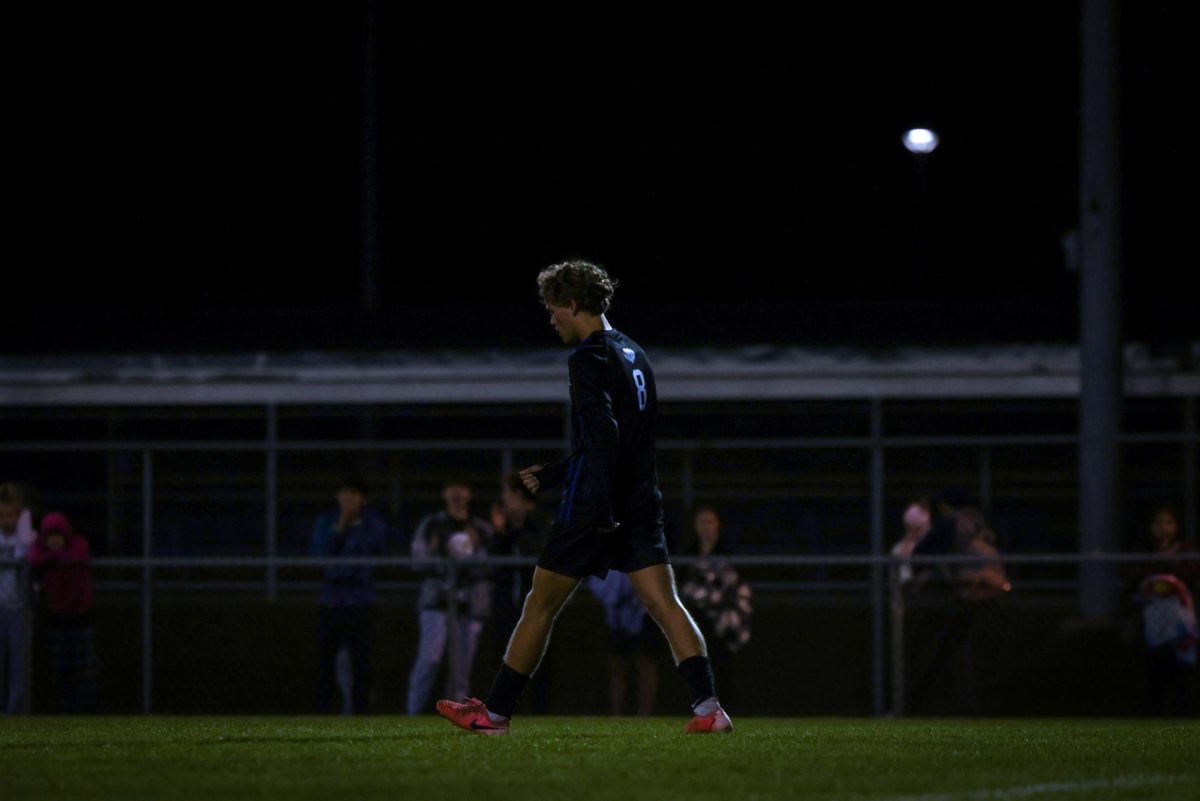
611,514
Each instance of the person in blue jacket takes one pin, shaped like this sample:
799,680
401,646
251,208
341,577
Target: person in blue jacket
348,593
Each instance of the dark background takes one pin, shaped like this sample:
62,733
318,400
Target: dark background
188,176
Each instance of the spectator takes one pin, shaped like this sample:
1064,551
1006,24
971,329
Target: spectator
917,523
1164,590
450,532
348,594
717,597
520,531
1166,543
1170,637
16,539
946,602
633,636
61,559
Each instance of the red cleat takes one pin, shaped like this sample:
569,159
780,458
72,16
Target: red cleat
472,716
715,721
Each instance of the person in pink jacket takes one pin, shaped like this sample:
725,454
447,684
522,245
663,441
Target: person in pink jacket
61,563
16,538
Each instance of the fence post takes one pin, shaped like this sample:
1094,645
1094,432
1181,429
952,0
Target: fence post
147,579
452,638
898,677
272,530
111,478
1189,468
877,569
25,669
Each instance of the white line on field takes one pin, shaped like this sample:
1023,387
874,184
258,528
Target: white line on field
1028,790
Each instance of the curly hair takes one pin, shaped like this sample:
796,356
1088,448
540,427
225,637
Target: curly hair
576,280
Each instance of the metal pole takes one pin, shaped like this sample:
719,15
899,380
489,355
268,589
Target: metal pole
898,676
272,528
452,635
1100,392
877,575
110,485
26,666
1189,468
147,578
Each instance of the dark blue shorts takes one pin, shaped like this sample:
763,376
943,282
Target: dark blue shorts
582,549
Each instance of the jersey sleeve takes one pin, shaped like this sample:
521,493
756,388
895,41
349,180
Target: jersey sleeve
553,474
600,435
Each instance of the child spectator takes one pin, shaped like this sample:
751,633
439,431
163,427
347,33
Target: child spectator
61,560
1170,636
1164,591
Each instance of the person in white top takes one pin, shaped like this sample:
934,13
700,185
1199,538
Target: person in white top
16,538
917,523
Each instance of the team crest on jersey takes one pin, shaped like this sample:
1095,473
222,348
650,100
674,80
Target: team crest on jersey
629,354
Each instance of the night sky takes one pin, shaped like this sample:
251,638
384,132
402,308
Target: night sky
189,178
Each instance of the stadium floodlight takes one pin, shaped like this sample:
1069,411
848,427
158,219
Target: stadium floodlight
920,141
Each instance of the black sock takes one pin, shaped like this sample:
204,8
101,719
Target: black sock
697,674
506,689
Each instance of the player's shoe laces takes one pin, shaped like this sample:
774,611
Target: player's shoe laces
715,721
471,715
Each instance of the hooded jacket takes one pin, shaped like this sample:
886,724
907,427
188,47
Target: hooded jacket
65,573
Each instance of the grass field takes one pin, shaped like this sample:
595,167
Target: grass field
420,759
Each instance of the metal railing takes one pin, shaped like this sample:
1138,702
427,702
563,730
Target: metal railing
883,664
876,444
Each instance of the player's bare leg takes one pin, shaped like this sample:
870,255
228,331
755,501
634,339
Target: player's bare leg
525,649
655,585
543,603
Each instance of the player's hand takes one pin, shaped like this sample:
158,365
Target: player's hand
529,478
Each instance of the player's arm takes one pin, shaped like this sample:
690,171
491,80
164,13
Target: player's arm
542,477
600,435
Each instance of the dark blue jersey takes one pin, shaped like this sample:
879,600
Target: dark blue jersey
610,475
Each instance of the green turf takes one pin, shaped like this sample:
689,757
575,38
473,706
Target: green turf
421,759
